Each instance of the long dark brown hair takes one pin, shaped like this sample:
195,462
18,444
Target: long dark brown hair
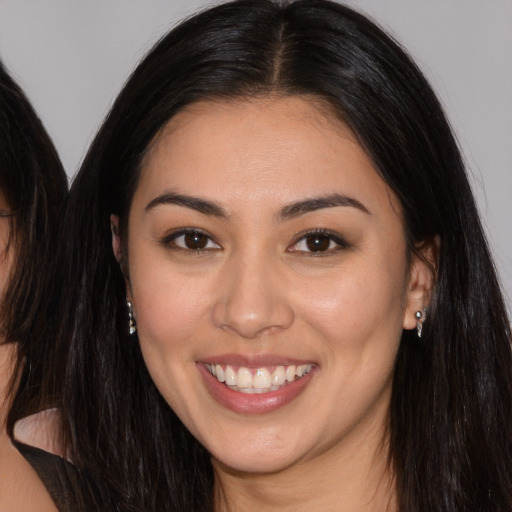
451,405
34,184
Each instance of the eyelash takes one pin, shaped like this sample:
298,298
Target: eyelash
169,242
340,242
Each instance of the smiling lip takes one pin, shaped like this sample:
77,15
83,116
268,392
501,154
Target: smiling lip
266,383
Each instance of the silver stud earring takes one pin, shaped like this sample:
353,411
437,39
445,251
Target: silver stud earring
419,321
132,326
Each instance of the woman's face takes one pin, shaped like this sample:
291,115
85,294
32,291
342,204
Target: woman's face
269,278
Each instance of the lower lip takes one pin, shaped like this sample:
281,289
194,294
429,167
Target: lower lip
244,403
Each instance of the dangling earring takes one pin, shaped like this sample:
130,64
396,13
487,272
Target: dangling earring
419,321
132,326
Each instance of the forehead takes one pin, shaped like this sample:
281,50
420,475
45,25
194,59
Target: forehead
267,147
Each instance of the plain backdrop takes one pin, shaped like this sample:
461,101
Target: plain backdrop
72,57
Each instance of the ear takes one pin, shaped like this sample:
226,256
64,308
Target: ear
421,281
117,248
116,239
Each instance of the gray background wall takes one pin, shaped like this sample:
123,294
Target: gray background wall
72,56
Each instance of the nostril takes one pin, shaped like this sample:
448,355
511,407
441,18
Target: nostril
251,322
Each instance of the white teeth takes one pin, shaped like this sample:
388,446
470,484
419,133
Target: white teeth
250,391
230,376
302,370
219,372
244,378
279,376
261,380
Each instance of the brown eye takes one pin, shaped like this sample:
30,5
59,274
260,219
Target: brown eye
190,240
195,240
318,243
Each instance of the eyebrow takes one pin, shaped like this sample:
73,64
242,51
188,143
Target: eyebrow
287,212
195,203
318,203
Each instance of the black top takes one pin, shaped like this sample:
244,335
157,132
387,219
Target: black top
72,490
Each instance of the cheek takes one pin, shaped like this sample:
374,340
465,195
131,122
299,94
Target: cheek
356,308
170,314
169,308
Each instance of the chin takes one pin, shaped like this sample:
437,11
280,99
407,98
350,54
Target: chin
269,455
236,464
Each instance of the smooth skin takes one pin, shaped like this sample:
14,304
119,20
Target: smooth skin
300,254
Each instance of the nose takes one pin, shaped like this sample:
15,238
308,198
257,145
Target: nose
252,300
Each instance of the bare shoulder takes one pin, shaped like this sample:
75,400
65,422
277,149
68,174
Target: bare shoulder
41,430
20,485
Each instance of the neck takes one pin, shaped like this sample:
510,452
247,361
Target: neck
353,477
8,354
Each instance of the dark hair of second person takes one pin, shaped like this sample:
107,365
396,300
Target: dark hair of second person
33,187
34,184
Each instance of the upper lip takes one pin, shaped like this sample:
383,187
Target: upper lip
254,361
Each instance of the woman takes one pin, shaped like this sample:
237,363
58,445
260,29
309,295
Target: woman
285,298
35,474
32,189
